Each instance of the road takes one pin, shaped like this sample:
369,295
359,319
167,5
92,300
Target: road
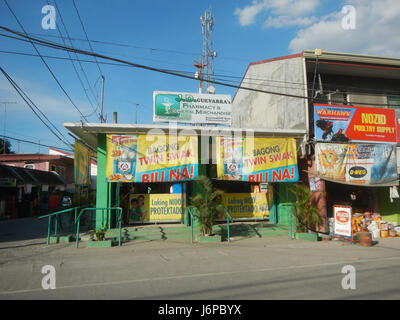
272,267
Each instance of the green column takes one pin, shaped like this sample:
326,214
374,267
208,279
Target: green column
202,169
285,203
102,190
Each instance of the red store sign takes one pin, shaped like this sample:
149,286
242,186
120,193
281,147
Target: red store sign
338,123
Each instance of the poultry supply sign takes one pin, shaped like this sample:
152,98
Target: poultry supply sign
343,124
192,108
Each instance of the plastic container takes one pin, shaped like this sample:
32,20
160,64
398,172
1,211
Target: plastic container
365,239
384,233
392,233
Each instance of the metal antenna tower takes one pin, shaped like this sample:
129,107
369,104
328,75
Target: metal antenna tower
207,23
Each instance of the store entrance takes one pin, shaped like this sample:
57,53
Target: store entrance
361,199
149,203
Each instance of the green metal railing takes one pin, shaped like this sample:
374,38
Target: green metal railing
191,224
228,218
118,212
56,215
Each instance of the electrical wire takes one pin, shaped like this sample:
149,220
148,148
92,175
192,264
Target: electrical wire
145,67
87,38
70,58
328,85
125,45
44,62
35,143
26,98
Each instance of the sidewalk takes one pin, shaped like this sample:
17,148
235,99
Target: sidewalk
271,267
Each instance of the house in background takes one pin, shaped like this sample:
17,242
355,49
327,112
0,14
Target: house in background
93,165
62,165
19,187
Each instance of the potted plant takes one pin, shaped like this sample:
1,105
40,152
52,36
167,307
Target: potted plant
97,238
207,205
305,211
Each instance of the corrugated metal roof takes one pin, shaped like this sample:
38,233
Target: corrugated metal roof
30,176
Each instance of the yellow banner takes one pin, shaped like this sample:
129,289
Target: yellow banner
121,158
166,158
155,207
257,159
248,205
81,164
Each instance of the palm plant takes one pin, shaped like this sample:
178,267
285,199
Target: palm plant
207,204
305,211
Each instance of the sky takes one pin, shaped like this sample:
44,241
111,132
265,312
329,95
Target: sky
165,35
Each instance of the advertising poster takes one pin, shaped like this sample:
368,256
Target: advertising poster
315,184
81,164
121,158
192,107
166,158
257,159
342,221
229,158
354,124
247,205
366,164
155,207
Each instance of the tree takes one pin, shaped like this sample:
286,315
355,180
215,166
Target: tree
4,143
207,204
305,211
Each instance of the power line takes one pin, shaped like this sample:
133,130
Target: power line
151,49
87,38
60,47
44,62
221,77
82,69
35,143
26,98
69,55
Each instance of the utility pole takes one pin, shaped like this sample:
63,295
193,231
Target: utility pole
137,104
199,75
4,126
102,96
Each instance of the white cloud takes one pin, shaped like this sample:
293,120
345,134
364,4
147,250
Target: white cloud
55,108
376,32
282,13
248,14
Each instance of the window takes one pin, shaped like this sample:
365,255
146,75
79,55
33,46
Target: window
61,171
394,103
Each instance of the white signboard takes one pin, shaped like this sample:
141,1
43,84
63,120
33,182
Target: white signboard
342,221
192,107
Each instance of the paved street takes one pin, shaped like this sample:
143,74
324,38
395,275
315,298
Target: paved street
272,267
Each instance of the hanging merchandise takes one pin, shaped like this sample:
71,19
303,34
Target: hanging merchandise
393,193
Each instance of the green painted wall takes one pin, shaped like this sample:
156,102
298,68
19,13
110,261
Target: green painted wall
390,211
284,203
103,188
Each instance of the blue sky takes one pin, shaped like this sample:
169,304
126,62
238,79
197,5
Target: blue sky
244,32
